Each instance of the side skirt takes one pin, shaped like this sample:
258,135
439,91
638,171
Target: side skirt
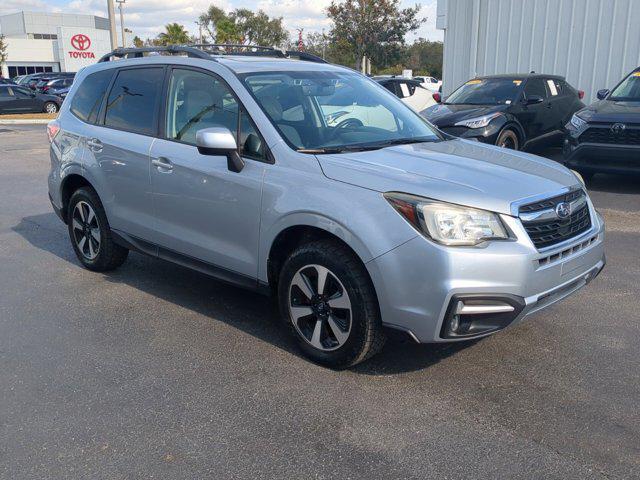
219,273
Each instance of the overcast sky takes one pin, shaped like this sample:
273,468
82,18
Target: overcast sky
148,17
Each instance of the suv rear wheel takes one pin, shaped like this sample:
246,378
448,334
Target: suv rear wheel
90,233
327,299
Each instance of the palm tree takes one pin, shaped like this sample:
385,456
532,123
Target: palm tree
174,34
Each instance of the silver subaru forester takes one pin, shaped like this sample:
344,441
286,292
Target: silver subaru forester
279,172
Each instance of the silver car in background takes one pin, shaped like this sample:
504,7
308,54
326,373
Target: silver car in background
313,182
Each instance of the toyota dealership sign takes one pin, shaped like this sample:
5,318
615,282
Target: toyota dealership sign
78,48
81,44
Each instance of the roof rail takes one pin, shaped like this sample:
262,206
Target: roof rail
208,51
139,52
256,51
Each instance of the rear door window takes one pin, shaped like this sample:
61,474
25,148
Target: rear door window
535,87
132,104
86,102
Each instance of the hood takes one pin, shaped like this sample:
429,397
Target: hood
608,111
456,171
446,115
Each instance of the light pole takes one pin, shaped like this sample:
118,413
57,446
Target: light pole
120,5
112,24
199,31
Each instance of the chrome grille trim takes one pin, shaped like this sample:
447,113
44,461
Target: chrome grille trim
546,229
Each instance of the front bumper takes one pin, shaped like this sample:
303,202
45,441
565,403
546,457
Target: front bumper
488,134
418,282
600,157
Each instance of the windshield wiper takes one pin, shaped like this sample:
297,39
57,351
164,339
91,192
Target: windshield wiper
366,147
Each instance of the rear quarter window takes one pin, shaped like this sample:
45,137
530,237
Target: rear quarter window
86,102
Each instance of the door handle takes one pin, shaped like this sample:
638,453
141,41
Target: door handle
549,105
95,144
162,163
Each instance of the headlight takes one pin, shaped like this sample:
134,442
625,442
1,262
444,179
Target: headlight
447,223
577,121
478,122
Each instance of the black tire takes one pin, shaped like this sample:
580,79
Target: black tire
108,255
50,107
508,139
366,335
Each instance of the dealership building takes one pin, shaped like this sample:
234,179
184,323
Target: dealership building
52,42
593,43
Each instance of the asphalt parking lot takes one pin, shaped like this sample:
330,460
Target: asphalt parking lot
155,371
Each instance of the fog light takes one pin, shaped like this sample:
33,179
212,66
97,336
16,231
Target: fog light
454,323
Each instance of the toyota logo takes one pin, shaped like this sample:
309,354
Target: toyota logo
618,128
563,209
80,42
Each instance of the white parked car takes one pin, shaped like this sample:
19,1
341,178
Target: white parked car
410,91
430,83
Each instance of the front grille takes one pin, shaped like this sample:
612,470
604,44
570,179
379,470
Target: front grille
549,232
628,136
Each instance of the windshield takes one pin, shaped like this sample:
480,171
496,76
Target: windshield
323,112
628,90
487,91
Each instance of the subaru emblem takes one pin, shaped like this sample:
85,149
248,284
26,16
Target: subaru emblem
563,209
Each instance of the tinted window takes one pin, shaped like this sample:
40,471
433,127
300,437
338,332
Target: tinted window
535,86
21,92
4,92
86,102
132,102
487,91
198,100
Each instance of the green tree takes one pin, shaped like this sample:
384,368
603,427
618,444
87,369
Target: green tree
375,28
210,19
243,26
174,34
137,41
425,58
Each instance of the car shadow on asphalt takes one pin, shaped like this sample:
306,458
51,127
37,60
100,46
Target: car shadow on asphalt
242,309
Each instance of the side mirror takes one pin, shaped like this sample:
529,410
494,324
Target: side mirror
602,94
533,100
437,97
220,141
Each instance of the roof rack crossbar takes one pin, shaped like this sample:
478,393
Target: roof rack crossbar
256,51
140,51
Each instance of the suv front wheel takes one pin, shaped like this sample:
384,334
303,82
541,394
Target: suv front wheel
90,233
327,298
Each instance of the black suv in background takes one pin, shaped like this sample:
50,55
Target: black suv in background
605,136
512,111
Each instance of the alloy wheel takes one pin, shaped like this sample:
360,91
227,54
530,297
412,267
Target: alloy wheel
51,108
320,307
86,230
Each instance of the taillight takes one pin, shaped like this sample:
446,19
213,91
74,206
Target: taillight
45,88
53,127
580,94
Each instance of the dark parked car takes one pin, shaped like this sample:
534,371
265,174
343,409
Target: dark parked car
51,86
38,77
17,99
6,81
512,111
605,136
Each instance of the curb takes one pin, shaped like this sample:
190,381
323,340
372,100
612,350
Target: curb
32,121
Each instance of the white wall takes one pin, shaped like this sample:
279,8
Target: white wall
30,51
593,43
